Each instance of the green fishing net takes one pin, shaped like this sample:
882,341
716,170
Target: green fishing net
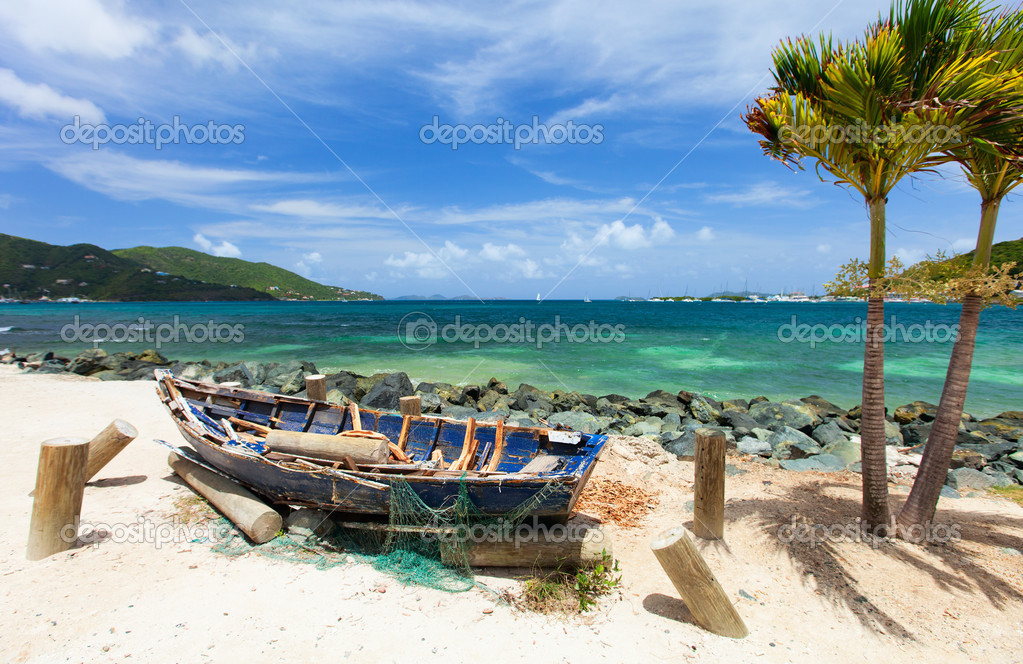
419,545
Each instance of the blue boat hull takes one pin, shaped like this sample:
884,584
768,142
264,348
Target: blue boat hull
550,495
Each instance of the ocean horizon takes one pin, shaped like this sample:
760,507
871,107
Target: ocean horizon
723,350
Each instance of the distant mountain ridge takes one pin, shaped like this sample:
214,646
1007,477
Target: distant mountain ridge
264,277
32,270
1004,252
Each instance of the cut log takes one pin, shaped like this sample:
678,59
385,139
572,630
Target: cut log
709,493
106,445
325,446
258,521
551,548
57,504
412,406
696,584
316,387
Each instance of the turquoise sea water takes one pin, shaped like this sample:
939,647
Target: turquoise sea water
721,349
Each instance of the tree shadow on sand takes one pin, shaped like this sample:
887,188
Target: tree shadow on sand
821,556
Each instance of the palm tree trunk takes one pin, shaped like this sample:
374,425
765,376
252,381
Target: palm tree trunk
916,515
918,512
876,515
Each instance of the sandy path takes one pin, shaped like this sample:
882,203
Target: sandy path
180,602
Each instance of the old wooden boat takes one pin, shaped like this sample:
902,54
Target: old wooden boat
501,467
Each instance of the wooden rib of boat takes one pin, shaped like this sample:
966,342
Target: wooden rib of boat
500,466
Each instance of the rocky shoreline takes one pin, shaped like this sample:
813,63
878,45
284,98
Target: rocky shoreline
798,434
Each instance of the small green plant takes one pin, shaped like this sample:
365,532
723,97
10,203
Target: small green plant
562,591
600,579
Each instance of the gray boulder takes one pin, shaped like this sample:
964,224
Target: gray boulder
846,450
789,443
458,412
752,445
88,362
968,478
829,433
577,421
786,413
738,420
823,408
822,463
387,393
236,373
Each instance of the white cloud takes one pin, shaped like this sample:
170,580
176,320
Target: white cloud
429,265
964,244
224,249
206,48
497,253
38,100
312,209
705,234
126,178
313,257
87,28
824,248
763,193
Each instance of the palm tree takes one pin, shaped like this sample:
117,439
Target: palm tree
990,167
892,91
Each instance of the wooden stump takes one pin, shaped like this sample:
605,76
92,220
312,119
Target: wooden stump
60,485
316,387
696,584
249,513
709,498
411,406
107,444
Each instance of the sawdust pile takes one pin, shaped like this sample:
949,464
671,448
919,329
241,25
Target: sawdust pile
617,502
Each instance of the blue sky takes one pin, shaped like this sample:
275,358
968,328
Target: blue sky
332,180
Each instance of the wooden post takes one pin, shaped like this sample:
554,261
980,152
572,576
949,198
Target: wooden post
353,409
411,406
60,484
316,387
106,445
709,498
696,584
249,513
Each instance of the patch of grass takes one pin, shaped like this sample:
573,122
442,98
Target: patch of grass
191,507
1013,493
565,592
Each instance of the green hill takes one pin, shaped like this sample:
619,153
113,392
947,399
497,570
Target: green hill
1003,252
259,276
32,269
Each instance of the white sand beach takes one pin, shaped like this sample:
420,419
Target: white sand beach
124,601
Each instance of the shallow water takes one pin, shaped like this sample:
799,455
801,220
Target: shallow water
721,349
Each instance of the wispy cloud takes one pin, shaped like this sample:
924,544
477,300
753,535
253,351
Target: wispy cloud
763,194
38,100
